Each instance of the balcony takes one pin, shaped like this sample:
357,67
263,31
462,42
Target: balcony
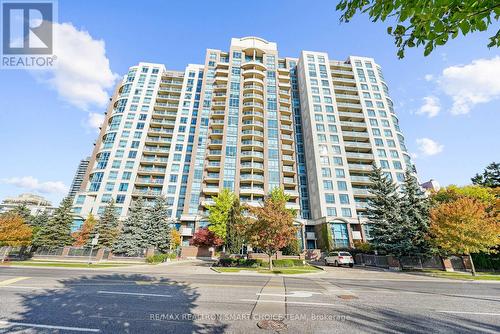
252,105
359,156
288,180
149,181
346,105
360,167
252,143
252,165
354,144
292,193
158,150
345,88
212,176
288,170
362,205
146,193
355,134
213,165
162,105
253,73
152,160
253,64
358,115
292,205
252,133
253,113
252,190
155,121
152,170
211,190
253,88
344,80
360,192
252,154
360,179
252,177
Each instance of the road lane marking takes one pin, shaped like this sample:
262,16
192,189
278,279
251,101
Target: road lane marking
77,329
132,293
298,294
286,302
12,280
474,313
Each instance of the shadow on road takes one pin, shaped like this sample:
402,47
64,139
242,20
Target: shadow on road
116,303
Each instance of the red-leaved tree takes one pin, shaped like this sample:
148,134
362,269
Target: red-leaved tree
205,238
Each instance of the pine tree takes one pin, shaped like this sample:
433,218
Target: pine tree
130,241
415,215
38,223
158,226
490,177
22,211
384,213
107,227
57,231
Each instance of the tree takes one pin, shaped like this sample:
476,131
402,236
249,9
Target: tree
452,193
22,211
14,232
415,213
490,177
218,213
234,232
38,222
463,226
205,238
175,239
107,227
130,241
270,227
158,225
57,231
82,236
384,214
426,23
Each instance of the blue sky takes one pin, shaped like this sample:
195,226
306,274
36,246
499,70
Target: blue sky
47,120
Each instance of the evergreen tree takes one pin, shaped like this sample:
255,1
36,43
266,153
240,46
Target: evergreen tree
158,226
384,213
415,215
234,233
130,241
22,211
57,231
38,223
107,227
490,177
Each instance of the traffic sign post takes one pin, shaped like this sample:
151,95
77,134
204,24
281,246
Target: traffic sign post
94,242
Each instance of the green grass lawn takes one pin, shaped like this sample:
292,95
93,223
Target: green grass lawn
276,270
489,276
66,264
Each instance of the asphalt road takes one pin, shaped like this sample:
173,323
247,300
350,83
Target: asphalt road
192,299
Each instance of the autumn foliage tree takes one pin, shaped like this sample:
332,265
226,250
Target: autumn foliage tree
464,226
270,227
205,238
82,236
175,239
14,232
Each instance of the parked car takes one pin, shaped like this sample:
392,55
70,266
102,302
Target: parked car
339,259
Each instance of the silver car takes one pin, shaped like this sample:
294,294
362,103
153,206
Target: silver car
339,259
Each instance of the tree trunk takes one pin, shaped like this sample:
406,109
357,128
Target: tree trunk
473,269
6,253
270,262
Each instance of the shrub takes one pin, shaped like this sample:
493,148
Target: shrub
288,263
231,262
159,258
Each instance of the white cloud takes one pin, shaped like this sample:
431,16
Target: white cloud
468,85
427,146
428,77
94,120
32,184
431,106
82,75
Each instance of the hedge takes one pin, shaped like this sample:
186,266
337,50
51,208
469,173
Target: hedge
288,263
230,262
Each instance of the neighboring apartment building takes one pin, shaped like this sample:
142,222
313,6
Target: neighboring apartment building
79,176
249,120
35,203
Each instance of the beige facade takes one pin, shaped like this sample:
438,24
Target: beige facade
248,120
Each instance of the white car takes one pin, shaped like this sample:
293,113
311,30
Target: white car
339,259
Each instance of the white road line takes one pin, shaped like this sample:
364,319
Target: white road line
77,329
464,312
133,293
286,302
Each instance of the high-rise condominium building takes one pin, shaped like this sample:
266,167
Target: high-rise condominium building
249,120
79,176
